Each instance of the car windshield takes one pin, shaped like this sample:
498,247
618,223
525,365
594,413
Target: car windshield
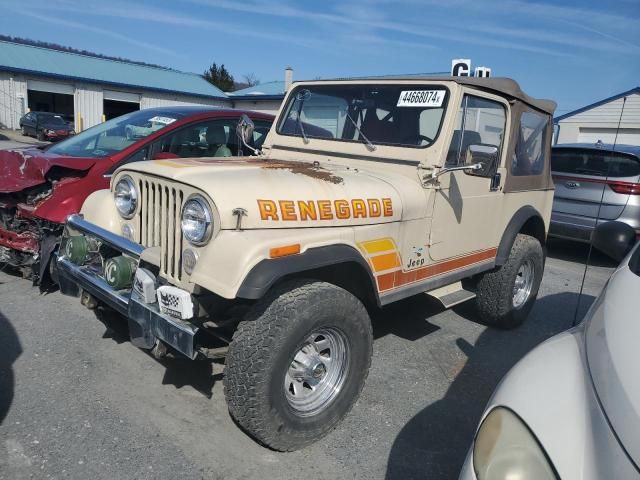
52,120
115,135
399,115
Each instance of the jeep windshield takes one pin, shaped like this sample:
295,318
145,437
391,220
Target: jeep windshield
115,135
396,115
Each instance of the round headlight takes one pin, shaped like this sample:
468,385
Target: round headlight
126,197
197,220
505,448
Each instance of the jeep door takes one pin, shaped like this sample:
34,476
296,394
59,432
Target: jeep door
467,204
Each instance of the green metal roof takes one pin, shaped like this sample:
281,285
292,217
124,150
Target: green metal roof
267,88
66,65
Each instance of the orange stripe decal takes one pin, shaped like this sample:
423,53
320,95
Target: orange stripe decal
391,280
385,261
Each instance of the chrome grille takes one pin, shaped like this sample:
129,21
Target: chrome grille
159,223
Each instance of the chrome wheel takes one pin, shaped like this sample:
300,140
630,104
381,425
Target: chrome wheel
317,372
523,284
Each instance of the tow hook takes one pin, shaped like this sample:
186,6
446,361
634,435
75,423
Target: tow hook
88,300
159,350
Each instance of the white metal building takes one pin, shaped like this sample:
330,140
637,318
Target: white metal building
599,121
88,90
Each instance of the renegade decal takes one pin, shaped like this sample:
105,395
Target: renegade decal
304,210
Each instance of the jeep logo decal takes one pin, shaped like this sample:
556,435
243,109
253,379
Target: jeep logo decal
305,210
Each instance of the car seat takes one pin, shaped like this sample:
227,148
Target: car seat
217,142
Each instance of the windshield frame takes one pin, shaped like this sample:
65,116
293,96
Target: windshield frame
291,98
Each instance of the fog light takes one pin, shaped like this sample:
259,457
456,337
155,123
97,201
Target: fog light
189,259
128,231
119,271
77,249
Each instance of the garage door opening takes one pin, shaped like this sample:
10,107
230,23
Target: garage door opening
119,103
60,103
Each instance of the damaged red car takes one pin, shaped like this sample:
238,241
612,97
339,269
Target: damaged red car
41,186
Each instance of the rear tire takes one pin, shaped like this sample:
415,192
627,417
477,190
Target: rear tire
24,132
505,296
297,363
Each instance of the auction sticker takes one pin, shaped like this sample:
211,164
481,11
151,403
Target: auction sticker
421,98
165,120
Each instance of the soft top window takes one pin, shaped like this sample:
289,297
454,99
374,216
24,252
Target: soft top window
599,163
400,115
528,158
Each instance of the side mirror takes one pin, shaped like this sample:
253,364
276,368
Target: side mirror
244,129
614,239
485,155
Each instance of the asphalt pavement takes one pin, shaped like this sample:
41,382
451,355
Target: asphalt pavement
14,139
78,401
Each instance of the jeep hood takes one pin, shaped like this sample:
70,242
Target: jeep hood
24,168
274,192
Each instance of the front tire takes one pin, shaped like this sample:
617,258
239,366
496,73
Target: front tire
24,132
505,296
41,136
297,363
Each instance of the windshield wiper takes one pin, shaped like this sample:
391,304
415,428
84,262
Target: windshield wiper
367,142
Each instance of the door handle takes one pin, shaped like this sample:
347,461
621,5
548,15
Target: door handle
495,182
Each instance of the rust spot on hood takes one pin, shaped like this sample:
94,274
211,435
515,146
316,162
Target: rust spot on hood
304,168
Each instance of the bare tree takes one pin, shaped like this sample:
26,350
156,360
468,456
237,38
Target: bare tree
251,79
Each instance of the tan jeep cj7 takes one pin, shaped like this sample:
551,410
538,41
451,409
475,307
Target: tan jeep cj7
365,192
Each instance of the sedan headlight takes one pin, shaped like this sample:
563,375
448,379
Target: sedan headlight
197,220
505,449
126,197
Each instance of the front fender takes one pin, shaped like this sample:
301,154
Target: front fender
100,209
238,263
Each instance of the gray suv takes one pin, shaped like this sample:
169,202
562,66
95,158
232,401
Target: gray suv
583,175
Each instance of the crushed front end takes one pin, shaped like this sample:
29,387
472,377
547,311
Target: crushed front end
26,241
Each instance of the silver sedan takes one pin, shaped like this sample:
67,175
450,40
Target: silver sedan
570,409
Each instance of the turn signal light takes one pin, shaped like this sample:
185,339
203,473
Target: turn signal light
284,251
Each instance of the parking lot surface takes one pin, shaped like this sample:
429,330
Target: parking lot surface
14,139
77,400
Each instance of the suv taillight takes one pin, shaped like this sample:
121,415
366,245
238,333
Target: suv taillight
626,188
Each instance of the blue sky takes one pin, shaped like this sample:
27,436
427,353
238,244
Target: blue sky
574,52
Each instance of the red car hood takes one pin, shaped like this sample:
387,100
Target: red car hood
25,168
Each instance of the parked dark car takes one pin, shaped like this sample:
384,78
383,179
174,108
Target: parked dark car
585,174
41,186
46,126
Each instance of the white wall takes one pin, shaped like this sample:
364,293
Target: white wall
13,103
601,119
266,106
156,99
88,106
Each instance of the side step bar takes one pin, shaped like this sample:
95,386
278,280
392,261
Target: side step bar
451,295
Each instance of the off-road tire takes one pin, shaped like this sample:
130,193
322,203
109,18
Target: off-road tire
262,350
494,289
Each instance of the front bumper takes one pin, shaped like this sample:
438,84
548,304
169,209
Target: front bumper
146,323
